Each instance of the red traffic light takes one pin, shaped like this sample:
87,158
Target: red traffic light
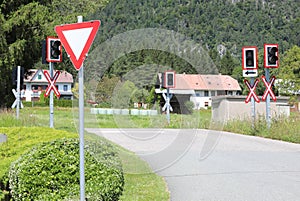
249,58
271,56
168,79
54,50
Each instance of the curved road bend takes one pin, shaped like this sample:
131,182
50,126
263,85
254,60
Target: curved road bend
201,165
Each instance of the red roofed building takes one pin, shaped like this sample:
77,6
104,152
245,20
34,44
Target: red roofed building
36,82
200,88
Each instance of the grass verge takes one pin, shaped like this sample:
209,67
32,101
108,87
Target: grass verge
285,129
139,185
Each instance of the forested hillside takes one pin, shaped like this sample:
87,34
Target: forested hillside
23,26
211,22
221,27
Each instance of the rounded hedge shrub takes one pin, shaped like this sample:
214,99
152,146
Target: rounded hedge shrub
50,171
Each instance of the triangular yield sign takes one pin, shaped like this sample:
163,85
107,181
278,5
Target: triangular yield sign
77,39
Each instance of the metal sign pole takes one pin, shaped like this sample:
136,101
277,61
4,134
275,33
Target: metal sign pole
81,128
168,105
252,105
51,97
268,112
18,91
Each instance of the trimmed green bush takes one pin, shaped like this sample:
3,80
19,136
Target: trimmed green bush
50,171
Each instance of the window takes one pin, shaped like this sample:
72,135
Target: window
39,76
206,93
65,87
213,93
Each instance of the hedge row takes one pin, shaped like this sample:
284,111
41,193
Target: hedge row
57,103
50,171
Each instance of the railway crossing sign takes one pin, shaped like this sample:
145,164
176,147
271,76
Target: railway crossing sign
51,85
16,101
77,39
252,91
167,104
268,88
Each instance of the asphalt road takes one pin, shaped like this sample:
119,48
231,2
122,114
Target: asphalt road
201,165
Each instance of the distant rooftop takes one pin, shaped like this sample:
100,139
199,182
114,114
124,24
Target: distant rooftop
64,76
205,82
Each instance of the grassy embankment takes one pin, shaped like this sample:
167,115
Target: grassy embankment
140,186
140,182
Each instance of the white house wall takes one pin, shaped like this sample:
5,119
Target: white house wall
199,102
28,94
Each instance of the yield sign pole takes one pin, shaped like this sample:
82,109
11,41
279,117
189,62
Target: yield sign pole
81,128
77,39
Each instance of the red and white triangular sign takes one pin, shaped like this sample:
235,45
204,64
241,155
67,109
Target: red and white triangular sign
77,39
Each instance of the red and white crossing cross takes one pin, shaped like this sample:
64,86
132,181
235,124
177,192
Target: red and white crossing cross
51,85
252,91
268,88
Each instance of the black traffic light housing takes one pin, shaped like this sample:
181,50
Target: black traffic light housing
271,55
249,57
54,50
44,52
168,79
15,76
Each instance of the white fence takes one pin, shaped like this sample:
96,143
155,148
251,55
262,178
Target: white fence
112,111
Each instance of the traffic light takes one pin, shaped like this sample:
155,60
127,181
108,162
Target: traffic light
15,76
44,52
54,50
249,57
168,79
271,55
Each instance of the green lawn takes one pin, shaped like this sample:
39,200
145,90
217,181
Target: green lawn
141,182
31,128
285,129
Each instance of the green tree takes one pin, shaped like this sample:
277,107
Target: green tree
105,89
123,95
24,24
227,64
289,72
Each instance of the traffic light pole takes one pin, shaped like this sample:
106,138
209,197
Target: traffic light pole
18,91
268,112
252,105
168,105
51,98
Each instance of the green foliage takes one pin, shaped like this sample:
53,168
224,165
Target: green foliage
140,95
50,171
24,24
105,88
189,105
212,23
21,140
147,186
285,129
123,94
289,72
60,102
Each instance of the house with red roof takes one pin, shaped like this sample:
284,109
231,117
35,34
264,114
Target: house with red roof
200,89
35,83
